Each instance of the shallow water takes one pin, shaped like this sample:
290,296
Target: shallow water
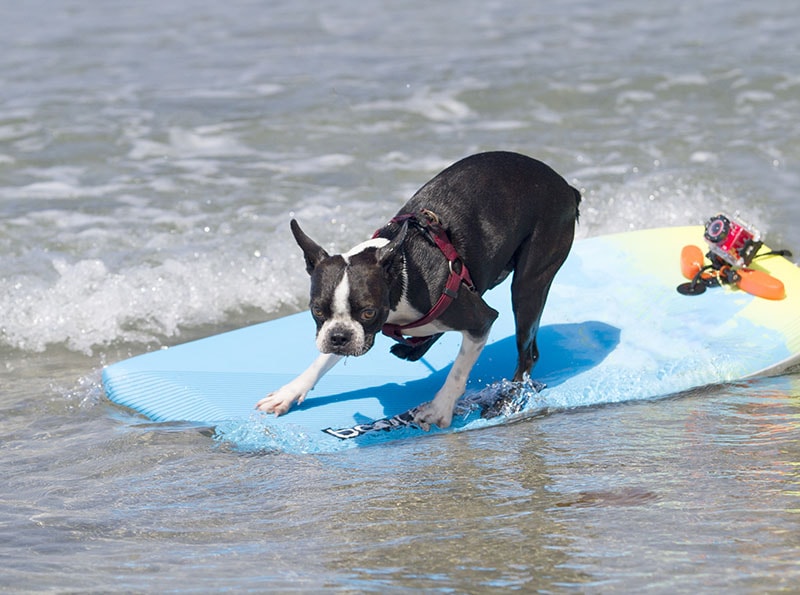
151,155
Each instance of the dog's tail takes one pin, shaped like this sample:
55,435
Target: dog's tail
577,203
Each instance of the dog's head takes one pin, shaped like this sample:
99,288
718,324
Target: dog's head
349,292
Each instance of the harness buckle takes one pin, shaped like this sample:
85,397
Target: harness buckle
461,273
433,218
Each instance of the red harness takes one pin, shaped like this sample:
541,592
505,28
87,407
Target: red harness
429,222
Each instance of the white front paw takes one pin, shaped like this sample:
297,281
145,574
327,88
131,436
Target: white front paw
434,413
282,399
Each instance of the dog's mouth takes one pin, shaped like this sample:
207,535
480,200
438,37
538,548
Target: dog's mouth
347,352
345,342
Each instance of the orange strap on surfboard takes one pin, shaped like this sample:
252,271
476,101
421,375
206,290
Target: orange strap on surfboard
761,284
691,261
753,281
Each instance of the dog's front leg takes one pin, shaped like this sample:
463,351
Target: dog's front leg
440,410
281,400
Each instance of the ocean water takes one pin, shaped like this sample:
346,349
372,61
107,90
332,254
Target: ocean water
151,156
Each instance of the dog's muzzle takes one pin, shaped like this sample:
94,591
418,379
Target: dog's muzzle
343,339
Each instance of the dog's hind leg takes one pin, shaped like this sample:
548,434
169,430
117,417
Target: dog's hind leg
530,285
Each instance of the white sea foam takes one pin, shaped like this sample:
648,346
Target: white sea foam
754,96
684,80
635,96
312,165
87,305
659,199
438,106
704,157
182,143
399,161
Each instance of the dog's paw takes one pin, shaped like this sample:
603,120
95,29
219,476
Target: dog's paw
433,413
281,400
413,353
402,351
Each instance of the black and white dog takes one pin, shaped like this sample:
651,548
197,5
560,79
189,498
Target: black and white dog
425,271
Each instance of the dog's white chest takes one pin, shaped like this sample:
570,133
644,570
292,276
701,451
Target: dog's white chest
405,313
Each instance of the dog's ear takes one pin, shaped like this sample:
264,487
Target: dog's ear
386,254
313,252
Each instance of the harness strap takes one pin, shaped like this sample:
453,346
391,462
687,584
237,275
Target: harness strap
429,222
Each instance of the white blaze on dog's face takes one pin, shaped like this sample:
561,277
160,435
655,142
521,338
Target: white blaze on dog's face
349,302
349,293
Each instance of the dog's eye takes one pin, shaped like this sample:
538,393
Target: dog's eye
317,312
368,314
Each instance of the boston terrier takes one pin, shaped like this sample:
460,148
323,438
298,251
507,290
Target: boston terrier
424,273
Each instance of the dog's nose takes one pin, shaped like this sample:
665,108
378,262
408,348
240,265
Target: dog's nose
340,337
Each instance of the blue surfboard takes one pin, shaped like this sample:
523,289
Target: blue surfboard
614,329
